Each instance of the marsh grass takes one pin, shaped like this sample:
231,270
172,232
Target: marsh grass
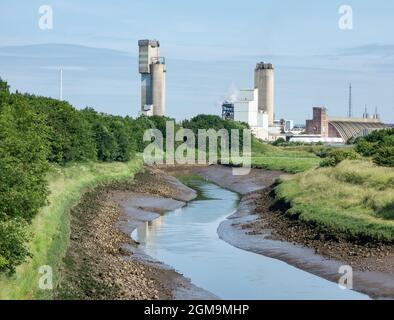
287,159
355,199
51,226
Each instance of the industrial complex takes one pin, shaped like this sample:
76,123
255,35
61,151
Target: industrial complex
335,129
255,106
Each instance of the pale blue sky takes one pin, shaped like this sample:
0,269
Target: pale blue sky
211,48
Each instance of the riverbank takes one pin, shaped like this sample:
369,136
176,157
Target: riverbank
50,229
260,227
103,262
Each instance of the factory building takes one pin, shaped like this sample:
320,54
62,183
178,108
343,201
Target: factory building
255,106
152,68
341,128
246,110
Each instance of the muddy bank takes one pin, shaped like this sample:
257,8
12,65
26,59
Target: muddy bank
260,227
103,262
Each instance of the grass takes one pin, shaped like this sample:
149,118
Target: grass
354,199
286,159
290,160
51,227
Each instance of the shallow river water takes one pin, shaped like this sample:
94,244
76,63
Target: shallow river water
187,240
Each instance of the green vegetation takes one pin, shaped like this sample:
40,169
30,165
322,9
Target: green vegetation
335,157
384,157
354,199
36,132
50,153
379,145
51,226
290,160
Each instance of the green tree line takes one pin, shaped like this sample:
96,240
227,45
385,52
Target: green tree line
37,131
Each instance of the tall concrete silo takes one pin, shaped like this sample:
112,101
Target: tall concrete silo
265,83
152,69
159,88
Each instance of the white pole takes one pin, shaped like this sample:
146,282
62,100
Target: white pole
61,85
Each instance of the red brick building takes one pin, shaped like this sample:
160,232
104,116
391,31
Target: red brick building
344,128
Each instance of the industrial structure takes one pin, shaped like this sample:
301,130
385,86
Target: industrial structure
264,82
228,110
342,128
152,68
255,106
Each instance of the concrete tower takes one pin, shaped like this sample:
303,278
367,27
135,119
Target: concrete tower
153,71
264,81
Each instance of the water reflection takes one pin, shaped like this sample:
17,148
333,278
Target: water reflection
187,239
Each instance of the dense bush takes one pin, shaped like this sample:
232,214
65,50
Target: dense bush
23,165
365,148
384,156
335,157
370,145
279,142
13,239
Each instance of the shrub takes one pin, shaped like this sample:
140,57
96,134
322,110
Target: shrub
278,142
337,156
384,157
365,148
13,239
370,145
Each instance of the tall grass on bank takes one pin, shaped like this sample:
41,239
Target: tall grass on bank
354,199
268,157
51,227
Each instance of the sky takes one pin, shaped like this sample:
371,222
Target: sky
211,48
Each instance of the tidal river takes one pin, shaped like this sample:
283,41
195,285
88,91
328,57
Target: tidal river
187,240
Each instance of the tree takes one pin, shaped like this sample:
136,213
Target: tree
23,188
4,87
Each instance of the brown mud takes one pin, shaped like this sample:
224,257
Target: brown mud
261,226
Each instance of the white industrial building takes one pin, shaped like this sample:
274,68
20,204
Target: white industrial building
256,106
246,110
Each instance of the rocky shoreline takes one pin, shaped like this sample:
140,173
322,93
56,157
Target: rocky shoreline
103,262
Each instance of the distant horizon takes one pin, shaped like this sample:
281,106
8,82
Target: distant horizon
209,54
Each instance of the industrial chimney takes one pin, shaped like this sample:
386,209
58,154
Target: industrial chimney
264,82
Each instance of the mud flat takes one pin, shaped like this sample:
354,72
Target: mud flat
260,226
103,262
